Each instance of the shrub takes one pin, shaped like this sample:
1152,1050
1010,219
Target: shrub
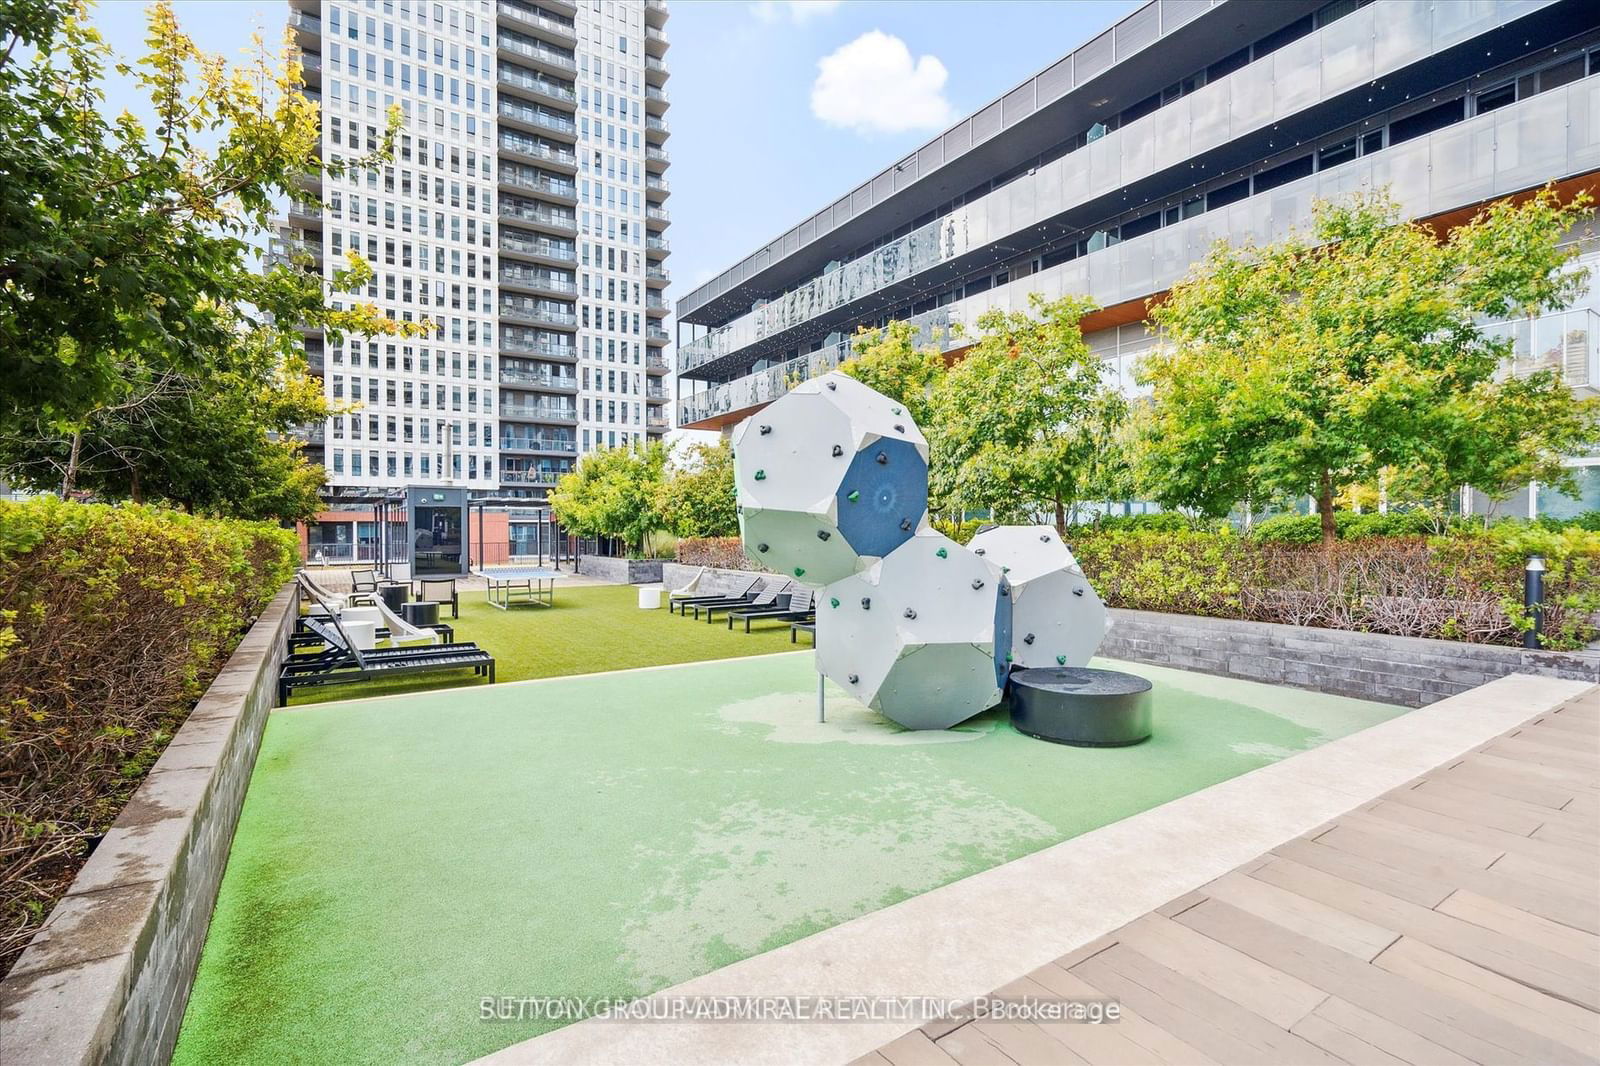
1307,528
1466,586
114,620
960,532
722,553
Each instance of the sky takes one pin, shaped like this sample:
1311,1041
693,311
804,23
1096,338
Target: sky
778,107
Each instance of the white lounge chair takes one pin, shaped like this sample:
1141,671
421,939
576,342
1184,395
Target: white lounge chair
690,589
325,602
402,632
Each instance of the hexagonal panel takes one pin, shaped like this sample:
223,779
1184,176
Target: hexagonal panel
913,636
810,484
1057,618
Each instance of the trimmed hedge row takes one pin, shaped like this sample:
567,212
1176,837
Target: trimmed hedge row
112,622
1464,587
719,553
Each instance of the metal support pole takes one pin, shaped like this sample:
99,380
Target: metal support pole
822,699
1533,599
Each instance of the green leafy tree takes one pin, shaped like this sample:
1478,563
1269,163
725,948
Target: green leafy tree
889,361
128,261
1024,423
614,492
698,498
1305,366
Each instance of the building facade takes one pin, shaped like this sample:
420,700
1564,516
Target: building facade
1114,170
524,213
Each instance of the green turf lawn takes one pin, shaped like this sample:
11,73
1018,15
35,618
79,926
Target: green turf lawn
590,629
397,860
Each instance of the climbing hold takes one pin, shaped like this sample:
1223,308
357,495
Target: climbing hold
910,613
1044,538
1008,656
854,496
833,386
1005,591
761,475
977,551
837,451
1061,660
823,534
854,679
941,553
761,547
898,428
765,430
905,525
882,459
799,571
1005,569
1028,639
977,583
1077,592
833,601
894,410
866,603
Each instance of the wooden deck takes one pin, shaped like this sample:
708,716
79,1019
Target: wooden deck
1453,920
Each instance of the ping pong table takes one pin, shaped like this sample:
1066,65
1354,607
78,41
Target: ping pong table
519,586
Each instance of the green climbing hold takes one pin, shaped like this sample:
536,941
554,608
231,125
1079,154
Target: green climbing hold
761,475
1061,660
1008,656
896,410
1005,569
833,601
854,496
941,553
799,571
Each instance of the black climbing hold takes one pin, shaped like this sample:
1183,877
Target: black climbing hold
1005,590
898,428
866,603
823,534
905,525
854,679
977,583
837,451
1044,537
832,385
765,430
882,459
761,547
977,551
1077,592
1028,639
910,613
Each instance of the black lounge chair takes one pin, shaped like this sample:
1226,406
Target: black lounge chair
341,662
796,628
767,597
683,603
795,607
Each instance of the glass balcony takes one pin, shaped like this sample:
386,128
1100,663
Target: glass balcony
520,341
539,412
533,116
522,178
530,277
537,51
656,184
511,241
531,312
515,443
653,94
654,363
564,382
517,78
513,209
656,273
547,478
302,20
566,30
657,244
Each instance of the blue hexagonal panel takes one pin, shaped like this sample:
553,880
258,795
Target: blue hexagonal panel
883,496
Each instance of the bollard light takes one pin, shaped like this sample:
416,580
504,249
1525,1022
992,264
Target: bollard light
1533,599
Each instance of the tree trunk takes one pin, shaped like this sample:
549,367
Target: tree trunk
135,491
1061,517
1330,532
69,479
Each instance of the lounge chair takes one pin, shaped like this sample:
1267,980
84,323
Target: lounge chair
688,590
440,590
739,593
324,601
341,662
767,597
401,631
796,628
364,580
795,607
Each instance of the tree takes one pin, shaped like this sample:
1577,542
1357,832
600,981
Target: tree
1305,366
614,492
1021,425
128,268
889,361
698,498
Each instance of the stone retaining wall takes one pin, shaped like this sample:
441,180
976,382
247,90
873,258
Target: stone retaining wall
1410,671
107,978
621,571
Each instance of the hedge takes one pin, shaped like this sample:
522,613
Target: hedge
1466,586
719,553
112,622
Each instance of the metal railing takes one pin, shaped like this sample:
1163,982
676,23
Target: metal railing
565,189
539,316
519,275
533,83
533,18
535,117
543,381
513,242
534,412
538,444
513,343
534,50
514,209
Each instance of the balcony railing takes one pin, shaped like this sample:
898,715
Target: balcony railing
534,117
655,184
659,335
517,179
300,20
539,412
513,242
517,211
539,316
651,122
657,244
763,386
656,155
548,349
656,422
651,92
654,303
543,381
657,274
538,444
518,275
655,394
537,51
651,63
533,83
311,62
533,18
655,362
658,213
305,208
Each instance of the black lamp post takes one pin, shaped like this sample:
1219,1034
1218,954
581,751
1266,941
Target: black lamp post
1533,599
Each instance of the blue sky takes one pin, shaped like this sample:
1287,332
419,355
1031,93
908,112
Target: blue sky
777,108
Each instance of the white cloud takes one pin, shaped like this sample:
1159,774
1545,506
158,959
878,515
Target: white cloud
871,85
798,11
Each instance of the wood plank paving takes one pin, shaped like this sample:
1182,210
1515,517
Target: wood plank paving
1453,920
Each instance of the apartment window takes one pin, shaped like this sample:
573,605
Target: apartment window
1283,173
1227,194
1496,98
1334,154
1425,122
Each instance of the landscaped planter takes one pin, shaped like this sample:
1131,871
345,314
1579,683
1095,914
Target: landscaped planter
622,571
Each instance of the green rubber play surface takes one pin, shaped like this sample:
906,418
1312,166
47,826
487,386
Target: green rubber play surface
400,859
